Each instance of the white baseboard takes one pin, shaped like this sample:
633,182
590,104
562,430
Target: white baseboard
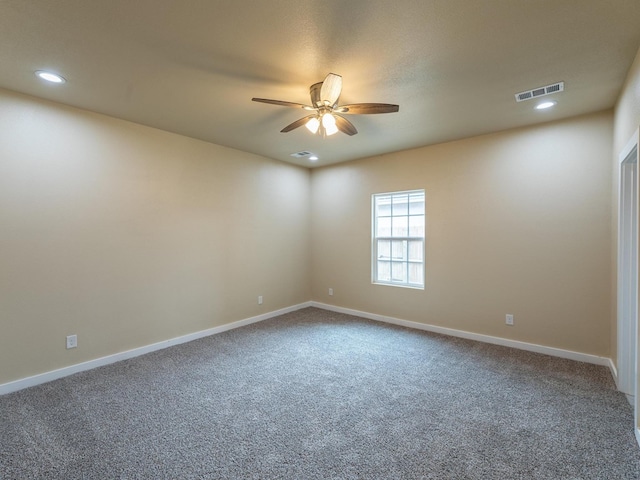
614,371
531,347
99,362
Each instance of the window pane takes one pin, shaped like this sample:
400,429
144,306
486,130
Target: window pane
384,271
416,226
400,226
399,272
399,249
383,206
384,227
416,272
415,250
400,205
384,249
416,204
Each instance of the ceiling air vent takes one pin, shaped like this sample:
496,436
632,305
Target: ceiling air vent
540,92
301,154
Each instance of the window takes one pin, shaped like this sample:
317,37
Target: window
398,238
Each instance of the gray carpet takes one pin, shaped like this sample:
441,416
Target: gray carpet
316,395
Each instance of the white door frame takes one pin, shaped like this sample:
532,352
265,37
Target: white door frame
627,287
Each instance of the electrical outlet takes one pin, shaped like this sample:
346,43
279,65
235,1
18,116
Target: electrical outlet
509,320
72,341
331,292
259,299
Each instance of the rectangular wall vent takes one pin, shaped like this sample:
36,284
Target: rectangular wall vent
301,154
540,92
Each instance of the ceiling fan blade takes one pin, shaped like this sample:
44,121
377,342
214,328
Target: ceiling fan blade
296,124
344,125
367,108
314,91
331,89
282,103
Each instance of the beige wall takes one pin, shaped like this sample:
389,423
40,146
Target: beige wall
517,222
126,235
626,122
627,112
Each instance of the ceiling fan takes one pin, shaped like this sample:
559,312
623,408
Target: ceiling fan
327,118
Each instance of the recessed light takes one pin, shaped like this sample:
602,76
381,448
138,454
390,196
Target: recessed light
545,105
313,158
50,77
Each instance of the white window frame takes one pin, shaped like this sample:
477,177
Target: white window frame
409,243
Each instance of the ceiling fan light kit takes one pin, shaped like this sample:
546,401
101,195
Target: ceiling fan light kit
324,102
313,125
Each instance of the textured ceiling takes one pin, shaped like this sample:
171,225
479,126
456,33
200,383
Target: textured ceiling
192,66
